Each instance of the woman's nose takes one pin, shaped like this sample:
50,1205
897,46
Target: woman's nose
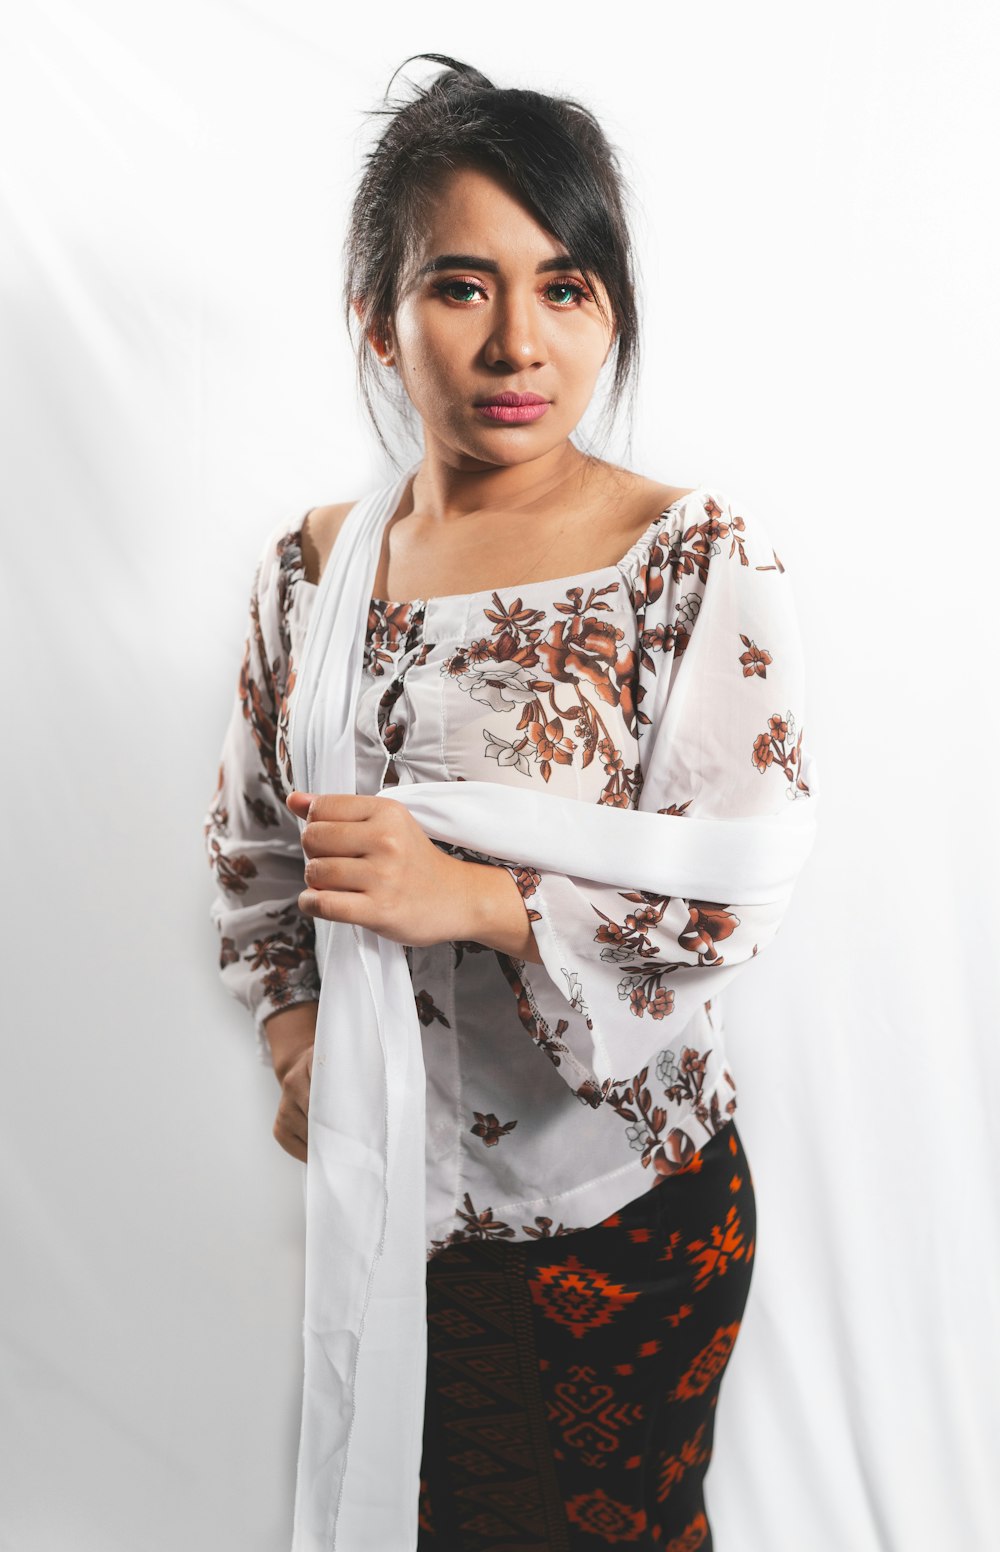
515,338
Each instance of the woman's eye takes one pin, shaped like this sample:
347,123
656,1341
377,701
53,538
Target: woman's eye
459,290
564,292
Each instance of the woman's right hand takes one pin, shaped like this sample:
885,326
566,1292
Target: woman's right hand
291,1034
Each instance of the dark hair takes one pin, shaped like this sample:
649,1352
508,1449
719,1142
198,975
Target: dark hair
550,149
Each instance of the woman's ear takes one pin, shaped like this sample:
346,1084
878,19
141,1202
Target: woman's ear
380,339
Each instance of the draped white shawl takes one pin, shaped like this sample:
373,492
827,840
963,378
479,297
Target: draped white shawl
364,1329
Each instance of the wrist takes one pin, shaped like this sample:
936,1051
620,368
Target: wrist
499,919
289,1032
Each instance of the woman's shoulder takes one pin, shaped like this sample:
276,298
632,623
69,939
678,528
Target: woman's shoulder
293,553
317,534
718,522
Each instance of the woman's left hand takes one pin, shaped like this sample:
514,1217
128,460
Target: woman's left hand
369,862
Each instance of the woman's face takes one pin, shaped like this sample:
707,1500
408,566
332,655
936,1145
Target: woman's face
493,305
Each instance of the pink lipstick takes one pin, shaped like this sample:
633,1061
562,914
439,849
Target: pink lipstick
513,409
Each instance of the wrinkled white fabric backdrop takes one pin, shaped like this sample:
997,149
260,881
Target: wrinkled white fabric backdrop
819,256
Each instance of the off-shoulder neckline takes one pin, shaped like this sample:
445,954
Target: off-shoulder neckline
573,579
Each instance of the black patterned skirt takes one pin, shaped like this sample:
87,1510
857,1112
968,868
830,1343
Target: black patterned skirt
572,1381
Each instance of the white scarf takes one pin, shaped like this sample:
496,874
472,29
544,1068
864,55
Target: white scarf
364,1329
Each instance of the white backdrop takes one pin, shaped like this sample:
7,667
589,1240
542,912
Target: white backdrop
819,250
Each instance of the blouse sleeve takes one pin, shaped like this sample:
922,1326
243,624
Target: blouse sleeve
267,957
718,716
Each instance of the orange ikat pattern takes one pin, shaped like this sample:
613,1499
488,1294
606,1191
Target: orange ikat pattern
573,1380
579,1297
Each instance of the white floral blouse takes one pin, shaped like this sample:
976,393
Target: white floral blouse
556,1092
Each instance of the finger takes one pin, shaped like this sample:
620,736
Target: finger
299,803
346,874
291,1130
293,1115
341,805
295,1092
291,1144
338,905
333,838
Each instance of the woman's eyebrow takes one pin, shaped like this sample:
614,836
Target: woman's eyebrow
490,266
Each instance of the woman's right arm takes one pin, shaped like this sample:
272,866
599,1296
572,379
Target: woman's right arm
267,956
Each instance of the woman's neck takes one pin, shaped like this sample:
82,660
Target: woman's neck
442,491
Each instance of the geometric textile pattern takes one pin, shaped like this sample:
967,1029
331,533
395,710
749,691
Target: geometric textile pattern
572,1381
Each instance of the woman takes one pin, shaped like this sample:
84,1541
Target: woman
547,622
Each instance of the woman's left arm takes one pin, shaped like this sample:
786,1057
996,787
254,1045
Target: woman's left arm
721,673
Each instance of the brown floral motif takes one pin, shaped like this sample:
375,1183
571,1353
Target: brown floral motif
691,1537
676,808
291,571
527,880
582,1298
389,625
663,639
525,660
677,1154
543,1229
289,951
232,872
606,1517
683,552
217,817
258,704
688,551
277,951
672,1468
478,1226
228,953
265,705
687,1087
427,1010
277,988
629,940
583,647
282,750
392,733
707,1364
646,1122
712,1256
218,820
546,1039
763,754
708,924
262,810
755,659
774,747
489,1128
591,1092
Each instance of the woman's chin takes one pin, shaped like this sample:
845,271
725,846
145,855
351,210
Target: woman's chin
502,445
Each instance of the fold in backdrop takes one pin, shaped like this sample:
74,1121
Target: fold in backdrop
818,265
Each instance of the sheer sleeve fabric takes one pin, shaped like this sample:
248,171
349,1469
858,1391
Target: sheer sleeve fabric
267,957
718,717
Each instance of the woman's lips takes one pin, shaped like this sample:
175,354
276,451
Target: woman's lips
513,409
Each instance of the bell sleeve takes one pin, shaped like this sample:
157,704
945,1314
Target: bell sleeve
267,948
717,674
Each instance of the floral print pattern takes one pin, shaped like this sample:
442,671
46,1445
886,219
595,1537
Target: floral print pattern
544,686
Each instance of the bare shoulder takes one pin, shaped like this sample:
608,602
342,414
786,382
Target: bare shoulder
657,497
320,528
639,499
